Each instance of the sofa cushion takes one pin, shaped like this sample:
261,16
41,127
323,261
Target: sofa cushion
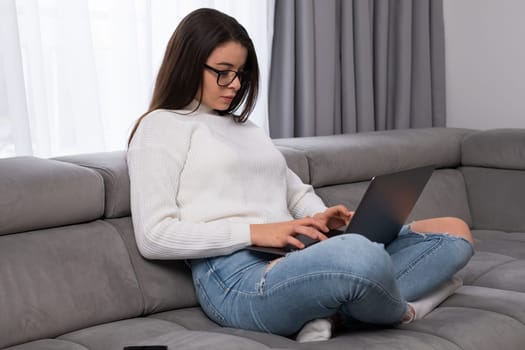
114,170
48,344
165,284
150,331
496,197
340,159
116,335
57,280
472,328
496,148
494,300
297,162
40,193
497,263
198,340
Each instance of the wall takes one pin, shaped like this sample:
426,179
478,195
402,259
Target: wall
485,59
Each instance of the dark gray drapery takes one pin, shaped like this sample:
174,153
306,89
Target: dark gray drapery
343,66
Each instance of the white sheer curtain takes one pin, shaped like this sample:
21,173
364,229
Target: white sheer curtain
76,74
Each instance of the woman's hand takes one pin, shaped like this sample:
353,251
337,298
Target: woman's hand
281,234
335,217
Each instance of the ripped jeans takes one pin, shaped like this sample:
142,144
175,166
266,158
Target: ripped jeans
346,274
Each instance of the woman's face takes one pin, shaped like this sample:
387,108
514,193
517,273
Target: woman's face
228,56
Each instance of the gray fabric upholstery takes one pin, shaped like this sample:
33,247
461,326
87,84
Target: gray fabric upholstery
198,340
164,284
472,329
75,273
39,193
195,319
489,299
150,331
57,280
48,344
497,148
341,159
116,335
382,339
191,318
114,170
491,189
297,162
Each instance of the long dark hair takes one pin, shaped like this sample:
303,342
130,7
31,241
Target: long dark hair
180,74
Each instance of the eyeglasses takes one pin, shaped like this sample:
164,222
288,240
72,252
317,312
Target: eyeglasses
226,77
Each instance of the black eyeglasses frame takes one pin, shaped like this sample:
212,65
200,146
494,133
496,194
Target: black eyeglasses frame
239,74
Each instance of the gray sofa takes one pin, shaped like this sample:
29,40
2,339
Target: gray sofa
71,276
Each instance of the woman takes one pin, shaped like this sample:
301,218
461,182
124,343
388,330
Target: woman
206,183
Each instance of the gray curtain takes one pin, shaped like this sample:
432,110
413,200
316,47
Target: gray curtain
345,66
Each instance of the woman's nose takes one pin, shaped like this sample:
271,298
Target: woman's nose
235,84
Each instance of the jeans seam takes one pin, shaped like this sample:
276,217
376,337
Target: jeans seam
328,274
202,293
428,252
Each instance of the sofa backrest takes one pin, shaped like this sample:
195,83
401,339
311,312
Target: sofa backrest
61,267
493,164
165,285
340,166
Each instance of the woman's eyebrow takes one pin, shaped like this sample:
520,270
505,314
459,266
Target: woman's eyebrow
229,65
226,64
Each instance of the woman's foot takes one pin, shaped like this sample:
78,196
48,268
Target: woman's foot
420,308
316,330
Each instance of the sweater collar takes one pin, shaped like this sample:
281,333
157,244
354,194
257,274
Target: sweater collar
199,107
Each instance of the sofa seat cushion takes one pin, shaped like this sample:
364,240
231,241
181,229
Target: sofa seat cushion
116,335
489,299
499,261
472,328
360,338
48,344
506,243
151,331
495,270
198,340
195,319
192,318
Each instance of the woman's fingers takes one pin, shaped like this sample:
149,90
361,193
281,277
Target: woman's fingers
310,221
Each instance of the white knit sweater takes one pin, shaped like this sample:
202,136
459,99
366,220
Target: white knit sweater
198,180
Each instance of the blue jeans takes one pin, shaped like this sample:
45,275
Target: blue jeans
346,274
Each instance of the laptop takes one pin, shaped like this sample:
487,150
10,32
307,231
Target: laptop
382,211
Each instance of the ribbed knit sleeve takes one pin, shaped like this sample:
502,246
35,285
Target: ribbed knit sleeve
302,200
156,159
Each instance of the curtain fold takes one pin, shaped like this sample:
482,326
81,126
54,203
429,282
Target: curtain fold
76,74
344,66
